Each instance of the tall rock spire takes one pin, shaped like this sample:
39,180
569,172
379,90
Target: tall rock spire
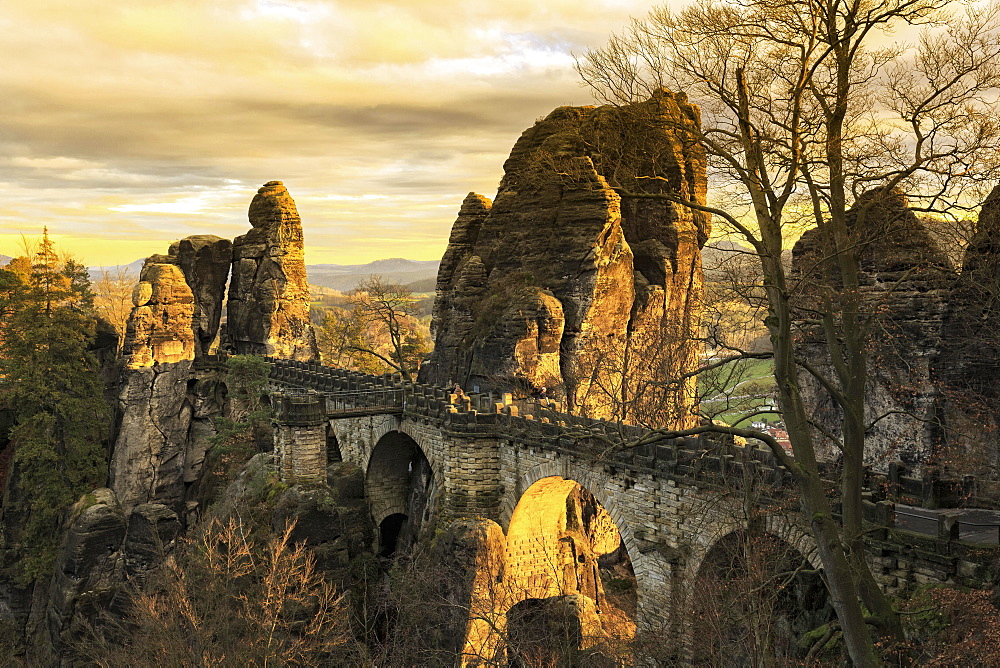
268,308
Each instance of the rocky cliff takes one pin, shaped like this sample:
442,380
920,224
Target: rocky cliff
165,432
904,284
570,278
268,308
177,304
969,361
166,405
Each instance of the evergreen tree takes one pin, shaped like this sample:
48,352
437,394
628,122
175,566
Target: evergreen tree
50,381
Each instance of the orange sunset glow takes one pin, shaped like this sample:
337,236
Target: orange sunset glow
126,125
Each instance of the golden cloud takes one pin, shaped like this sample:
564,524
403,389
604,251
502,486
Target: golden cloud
126,125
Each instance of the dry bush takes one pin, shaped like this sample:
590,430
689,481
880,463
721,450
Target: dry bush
952,627
230,598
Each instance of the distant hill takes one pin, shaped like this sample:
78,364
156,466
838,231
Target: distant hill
423,285
345,277
418,275
4,259
131,270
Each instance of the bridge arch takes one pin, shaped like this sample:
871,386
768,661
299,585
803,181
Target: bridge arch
566,536
597,485
400,488
746,586
779,526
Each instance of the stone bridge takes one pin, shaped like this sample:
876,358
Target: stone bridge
431,456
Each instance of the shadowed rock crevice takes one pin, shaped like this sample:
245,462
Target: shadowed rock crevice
205,260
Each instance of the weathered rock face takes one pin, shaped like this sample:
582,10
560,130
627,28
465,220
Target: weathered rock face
904,286
969,363
205,260
268,309
87,572
554,630
561,274
152,529
471,554
101,558
159,327
91,571
178,302
970,357
165,430
334,522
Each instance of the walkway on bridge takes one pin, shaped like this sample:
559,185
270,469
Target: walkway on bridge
353,394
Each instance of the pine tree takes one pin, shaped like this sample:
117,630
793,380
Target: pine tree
50,381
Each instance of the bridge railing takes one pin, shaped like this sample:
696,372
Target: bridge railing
708,456
531,421
357,402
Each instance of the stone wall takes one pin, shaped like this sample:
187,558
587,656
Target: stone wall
465,468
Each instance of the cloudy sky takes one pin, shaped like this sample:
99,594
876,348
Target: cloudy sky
126,124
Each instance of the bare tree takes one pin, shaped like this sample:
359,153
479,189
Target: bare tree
624,378
387,312
806,106
113,298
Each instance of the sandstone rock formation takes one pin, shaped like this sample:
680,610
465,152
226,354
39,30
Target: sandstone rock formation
86,574
555,631
165,430
152,528
471,554
166,406
102,555
159,329
165,411
205,260
969,363
577,265
333,521
178,302
268,308
970,359
904,286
